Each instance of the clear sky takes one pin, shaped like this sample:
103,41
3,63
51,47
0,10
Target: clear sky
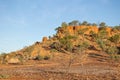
23,22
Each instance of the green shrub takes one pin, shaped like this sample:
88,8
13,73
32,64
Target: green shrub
74,23
101,44
93,35
82,46
53,50
4,76
85,45
56,46
114,57
116,27
66,43
112,50
103,34
64,24
102,25
115,38
47,57
82,31
85,23
39,57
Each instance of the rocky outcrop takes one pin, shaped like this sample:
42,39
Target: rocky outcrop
72,30
14,61
43,48
44,39
109,31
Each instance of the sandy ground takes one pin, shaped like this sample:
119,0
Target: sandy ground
58,69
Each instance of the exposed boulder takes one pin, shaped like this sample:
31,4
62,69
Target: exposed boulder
44,39
39,50
14,61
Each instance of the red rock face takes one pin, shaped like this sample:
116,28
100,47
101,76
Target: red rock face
109,30
72,30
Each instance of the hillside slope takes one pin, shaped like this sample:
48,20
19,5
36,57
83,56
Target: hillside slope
70,39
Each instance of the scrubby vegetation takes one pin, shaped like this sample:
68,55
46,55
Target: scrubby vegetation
73,37
78,51
115,38
39,57
4,76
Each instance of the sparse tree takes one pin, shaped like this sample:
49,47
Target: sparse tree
94,24
74,23
102,24
79,23
84,23
89,24
116,27
58,28
64,24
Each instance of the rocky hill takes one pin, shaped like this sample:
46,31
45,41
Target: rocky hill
70,38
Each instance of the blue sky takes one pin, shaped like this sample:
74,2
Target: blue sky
23,22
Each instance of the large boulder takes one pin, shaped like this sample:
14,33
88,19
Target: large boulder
14,61
44,39
109,31
39,50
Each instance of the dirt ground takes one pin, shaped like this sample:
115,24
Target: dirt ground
95,67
